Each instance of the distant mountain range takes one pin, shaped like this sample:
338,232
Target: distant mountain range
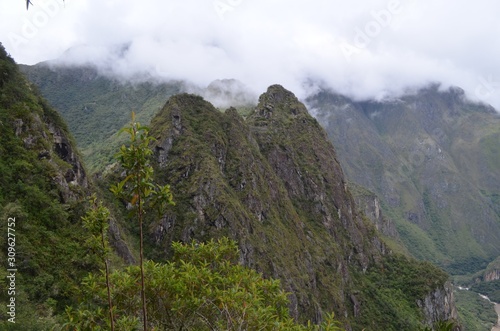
433,159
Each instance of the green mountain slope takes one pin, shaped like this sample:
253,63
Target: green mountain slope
96,106
42,182
433,160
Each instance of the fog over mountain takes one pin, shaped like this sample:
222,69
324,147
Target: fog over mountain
365,49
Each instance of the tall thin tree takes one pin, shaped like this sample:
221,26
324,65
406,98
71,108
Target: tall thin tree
137,188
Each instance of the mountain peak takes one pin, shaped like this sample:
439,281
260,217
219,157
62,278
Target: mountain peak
278,100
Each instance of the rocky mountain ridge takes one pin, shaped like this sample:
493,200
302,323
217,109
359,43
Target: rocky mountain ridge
272,182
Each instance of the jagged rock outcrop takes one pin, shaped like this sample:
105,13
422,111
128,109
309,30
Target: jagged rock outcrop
65,149
119,245
243,187
439,305
48,137
491,275
273,183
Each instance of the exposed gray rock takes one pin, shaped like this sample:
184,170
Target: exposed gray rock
439,305
491,275
119,245
370,206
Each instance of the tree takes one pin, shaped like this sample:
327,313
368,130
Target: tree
138,189
203,288
96,222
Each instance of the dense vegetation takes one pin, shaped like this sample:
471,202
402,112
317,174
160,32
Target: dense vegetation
202,288
396,285
50,259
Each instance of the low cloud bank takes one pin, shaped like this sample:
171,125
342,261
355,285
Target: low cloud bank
364,49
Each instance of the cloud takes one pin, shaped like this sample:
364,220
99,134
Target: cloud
366,49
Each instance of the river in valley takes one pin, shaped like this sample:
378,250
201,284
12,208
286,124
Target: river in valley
497,307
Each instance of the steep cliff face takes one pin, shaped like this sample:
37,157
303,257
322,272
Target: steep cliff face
298,151
439,305
52,144
492,272
40,133
369,204
273,183
30,122
225,185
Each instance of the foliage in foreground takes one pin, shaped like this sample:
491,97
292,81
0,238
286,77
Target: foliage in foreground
202,288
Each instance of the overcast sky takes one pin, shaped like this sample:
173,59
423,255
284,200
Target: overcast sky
364,48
